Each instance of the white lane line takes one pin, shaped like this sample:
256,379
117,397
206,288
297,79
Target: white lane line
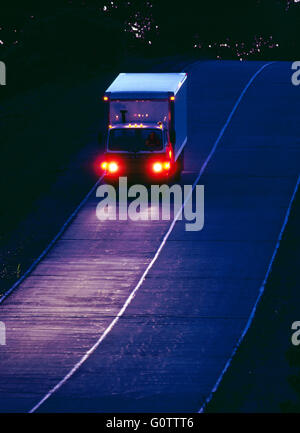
180,149
132,294
261,291
50,245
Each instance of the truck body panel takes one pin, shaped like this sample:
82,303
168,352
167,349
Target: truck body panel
140,110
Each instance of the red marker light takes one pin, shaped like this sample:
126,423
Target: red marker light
104,165
112,167
157,167
166,165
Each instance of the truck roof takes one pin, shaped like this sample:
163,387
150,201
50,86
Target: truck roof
145,85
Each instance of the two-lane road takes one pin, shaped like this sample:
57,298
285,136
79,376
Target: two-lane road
170,342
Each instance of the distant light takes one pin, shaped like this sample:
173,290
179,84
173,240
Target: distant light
110,126
172,98
105,98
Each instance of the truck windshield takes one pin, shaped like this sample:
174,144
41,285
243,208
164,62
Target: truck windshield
135,139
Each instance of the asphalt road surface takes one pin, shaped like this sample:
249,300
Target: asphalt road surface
119,317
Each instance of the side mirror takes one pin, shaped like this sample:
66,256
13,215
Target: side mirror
100,138
173,136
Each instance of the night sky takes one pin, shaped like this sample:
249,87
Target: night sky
44,39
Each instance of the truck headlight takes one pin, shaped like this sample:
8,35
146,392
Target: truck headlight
157,167
112,167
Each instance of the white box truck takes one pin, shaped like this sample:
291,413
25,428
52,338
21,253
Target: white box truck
147,125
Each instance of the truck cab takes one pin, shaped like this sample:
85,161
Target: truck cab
138,149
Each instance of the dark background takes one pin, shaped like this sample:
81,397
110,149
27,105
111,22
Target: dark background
41,40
